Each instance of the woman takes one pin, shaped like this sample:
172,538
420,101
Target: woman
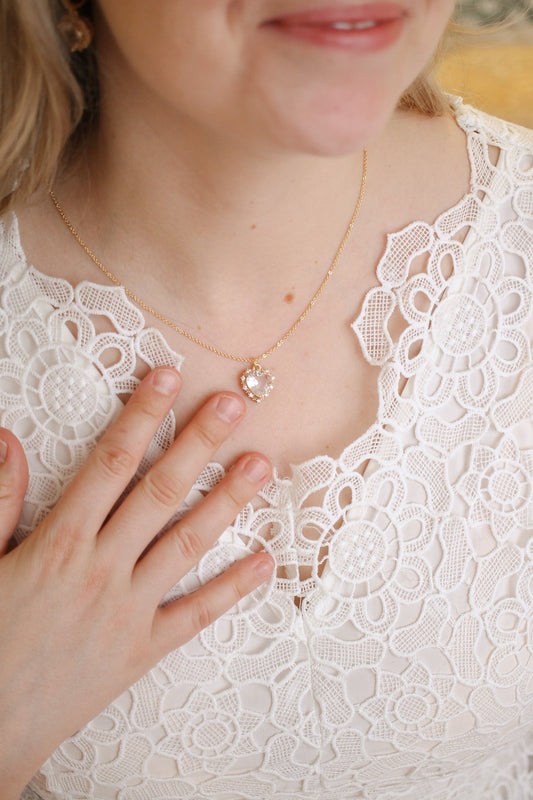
240,170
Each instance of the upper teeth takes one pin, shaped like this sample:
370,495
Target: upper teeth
349,26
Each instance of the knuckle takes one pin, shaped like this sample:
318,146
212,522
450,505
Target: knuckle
163,489
8,488
207,437
146,408
96,579
115,460
238,588
202,613
188,542
56,550
233,496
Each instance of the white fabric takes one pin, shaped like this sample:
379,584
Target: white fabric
406,672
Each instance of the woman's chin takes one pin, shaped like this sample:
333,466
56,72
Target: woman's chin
334,131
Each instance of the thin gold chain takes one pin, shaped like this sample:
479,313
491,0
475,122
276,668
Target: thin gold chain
190,336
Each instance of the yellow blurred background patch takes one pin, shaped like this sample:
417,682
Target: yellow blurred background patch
492,66
496,77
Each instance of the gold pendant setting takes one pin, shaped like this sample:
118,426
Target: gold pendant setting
256,382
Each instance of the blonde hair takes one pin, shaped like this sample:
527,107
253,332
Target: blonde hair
48,97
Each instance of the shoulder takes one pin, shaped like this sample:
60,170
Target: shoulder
501,159
9,234
12,258
505,135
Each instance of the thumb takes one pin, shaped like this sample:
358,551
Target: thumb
13,485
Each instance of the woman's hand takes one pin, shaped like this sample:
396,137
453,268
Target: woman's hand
80,618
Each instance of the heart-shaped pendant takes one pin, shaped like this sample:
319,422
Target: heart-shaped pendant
256,382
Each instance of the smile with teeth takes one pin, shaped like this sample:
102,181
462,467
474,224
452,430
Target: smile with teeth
366,27
353,26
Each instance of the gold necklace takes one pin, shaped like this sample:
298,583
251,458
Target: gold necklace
256,381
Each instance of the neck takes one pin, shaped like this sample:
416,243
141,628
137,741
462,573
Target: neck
213,203
176,210
215,222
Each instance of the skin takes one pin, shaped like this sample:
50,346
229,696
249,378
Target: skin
240,184
238,152
82,617
218,72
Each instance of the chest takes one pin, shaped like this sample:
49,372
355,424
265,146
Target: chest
324,396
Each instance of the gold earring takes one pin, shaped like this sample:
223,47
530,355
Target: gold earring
75,30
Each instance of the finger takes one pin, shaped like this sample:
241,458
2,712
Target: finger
115,459
13,485
162,490
185,543
180,621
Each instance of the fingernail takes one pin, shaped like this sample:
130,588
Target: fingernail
264,567
229,408
256,470
3,451
165,381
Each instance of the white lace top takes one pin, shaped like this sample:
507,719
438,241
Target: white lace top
406,670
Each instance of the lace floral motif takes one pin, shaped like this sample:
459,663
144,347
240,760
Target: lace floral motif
406,669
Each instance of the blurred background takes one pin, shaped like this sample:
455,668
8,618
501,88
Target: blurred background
489,61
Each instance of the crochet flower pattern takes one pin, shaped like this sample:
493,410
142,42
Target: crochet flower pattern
498,487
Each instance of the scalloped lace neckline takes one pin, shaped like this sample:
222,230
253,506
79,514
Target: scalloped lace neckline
278,480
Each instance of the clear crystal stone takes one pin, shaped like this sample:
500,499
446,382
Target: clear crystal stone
257,382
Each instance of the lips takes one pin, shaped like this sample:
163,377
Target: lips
370,26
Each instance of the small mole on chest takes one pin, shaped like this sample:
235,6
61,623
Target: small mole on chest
289,297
